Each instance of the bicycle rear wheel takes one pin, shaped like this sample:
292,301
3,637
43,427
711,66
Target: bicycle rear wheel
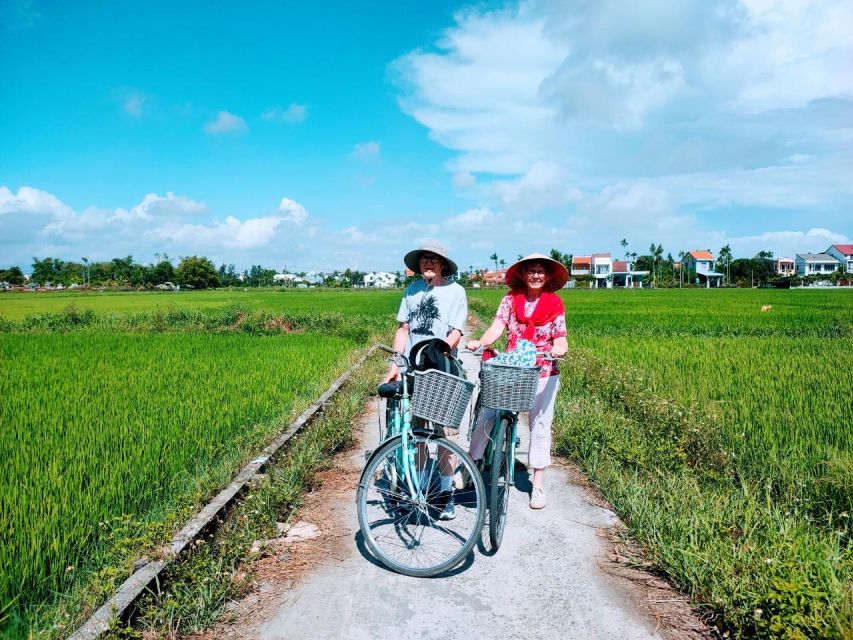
499,483
404,531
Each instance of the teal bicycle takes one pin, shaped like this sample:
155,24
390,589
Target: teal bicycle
505,390
411,520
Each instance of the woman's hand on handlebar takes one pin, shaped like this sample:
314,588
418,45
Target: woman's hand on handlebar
473,345
559,351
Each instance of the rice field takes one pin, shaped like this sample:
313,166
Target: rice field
16,306
722,435
720,432
115,424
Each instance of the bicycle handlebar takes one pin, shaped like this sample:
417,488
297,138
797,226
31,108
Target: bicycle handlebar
399,359
545,355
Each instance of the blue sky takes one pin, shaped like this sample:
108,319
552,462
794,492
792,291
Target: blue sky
333,135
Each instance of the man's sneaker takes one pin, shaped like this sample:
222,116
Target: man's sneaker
449,511
537,498
445,506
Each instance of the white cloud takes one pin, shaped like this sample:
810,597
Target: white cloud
463,180
366,150
133,104
654,119
226,122
471,220
295,113
787,243
32,201
292,211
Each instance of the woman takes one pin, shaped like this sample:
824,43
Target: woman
432,307
530,311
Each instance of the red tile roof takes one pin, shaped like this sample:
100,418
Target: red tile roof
702,255
620,266
846,249
581,260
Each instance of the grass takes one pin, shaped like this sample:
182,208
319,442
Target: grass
721,434
116,426
17,306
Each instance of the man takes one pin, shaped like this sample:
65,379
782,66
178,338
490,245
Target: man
432,307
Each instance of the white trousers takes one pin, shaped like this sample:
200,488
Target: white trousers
541,418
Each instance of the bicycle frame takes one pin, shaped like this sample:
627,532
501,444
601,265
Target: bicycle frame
489,453
402,425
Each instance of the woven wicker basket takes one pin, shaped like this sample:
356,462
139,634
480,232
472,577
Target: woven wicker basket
508,387
440,397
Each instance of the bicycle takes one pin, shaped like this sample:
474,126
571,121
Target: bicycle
400,499
508,390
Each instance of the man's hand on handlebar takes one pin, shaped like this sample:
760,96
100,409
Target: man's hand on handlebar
393,372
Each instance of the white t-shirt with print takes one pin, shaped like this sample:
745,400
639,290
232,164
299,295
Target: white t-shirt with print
432,311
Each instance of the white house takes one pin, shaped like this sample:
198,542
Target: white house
702,264
580,265
624,275
601,266
844,254
783,266
810,264
380,279
288,279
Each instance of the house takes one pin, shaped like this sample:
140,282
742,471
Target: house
783,266
701,263
580,265
601,266
844,254
380,279
489,278
315,278
289,279
810,264
624,275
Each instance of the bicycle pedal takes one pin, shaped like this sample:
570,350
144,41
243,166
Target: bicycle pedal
368,453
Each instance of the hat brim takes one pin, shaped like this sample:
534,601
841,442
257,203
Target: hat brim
558,275
412,261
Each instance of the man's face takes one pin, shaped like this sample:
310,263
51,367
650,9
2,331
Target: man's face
430,265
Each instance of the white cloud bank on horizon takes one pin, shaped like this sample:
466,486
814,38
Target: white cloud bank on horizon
34,222
647,120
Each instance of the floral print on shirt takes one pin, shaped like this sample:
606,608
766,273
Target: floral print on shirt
543,337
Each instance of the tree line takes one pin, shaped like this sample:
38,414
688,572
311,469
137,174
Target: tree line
197,272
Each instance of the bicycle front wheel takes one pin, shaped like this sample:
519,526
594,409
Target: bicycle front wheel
499,483
404,529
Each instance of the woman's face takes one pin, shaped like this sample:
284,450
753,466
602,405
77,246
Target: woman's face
431,265
535,276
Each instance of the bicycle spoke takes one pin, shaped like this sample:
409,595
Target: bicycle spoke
405,531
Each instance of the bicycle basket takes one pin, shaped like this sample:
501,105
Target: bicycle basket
508,387
440,397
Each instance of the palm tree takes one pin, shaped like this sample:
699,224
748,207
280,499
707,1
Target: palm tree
725,256
624,244
658,259
503,263
494,257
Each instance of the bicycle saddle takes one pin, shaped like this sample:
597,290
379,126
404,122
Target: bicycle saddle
391,389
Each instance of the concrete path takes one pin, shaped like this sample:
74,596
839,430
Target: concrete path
544,582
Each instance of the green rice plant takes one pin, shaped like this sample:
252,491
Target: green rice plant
16,306
98,427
